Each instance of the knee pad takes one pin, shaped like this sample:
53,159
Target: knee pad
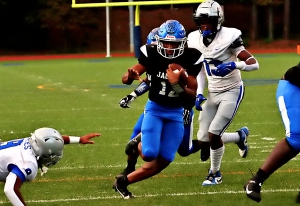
131,148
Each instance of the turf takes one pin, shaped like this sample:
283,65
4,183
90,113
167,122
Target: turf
80,96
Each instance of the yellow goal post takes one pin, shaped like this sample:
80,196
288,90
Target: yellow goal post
134,32
133,3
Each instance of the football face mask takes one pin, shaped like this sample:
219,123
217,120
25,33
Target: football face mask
171,39
209,13
207,26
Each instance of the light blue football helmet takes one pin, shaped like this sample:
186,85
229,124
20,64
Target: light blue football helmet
171,31
151,39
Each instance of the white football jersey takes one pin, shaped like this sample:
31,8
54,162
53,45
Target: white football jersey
18,152
219,49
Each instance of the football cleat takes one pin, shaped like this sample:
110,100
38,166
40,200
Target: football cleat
213,179
252,188
243,144
120,187
298,198
125,172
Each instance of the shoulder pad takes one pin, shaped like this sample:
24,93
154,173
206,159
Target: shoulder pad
144,50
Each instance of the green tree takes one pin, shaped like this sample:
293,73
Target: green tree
60,17
286,20
270,4
20,27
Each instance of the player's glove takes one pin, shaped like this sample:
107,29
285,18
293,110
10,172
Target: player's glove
199,100
125,101
224,69
186,116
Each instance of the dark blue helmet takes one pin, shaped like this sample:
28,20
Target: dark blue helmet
173,32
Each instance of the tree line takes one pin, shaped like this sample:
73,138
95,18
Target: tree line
27,26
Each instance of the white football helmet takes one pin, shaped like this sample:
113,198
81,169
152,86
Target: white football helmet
47,144
209,10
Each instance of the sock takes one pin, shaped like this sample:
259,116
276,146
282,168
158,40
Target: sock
216,158
230,137
261,176
124,181
131,164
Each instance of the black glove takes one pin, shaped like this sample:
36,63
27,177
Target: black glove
125,101
187,116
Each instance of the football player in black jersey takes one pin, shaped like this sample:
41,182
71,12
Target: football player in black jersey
186,147
162,127
288,101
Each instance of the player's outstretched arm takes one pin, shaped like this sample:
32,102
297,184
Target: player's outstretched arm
85,139
133,73
12,191
140,90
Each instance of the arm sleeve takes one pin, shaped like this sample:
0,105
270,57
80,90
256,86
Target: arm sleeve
142,89
15,169
9,190
201,81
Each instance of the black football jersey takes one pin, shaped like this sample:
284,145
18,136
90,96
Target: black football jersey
156,65
293,75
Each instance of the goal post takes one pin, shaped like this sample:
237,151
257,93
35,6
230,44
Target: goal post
133,3
136,33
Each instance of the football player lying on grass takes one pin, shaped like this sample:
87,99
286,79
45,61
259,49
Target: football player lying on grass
21,158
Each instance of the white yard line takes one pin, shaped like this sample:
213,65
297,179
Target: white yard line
152,195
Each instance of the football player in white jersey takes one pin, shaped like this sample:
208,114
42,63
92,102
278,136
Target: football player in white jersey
224,58
21,158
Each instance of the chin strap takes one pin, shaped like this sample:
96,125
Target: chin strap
40,165
44,170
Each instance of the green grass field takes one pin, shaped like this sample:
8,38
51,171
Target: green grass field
80,96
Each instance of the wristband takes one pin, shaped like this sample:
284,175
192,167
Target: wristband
240,65
74,139
134,94
250,67
177,88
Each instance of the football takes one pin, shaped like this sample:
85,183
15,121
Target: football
183,76
175,67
